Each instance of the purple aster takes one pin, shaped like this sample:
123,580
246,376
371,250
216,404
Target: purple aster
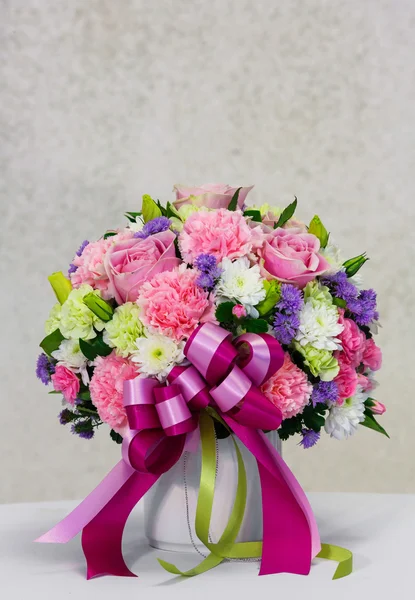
310,438
285,327
72,267
291,299
83,429
156,225
363,308
205,280
205,263
325,392
341,287
66,416
45,367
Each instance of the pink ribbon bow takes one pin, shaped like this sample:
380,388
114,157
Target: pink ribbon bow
226,376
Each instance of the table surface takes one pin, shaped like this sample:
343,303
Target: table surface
378,529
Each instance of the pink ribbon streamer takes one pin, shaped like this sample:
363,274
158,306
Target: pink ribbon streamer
163,419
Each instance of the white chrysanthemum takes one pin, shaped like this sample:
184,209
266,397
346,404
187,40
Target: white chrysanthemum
334,257
342,421
319,326
123,329
54,319
157,355
77,321
241,282
69,355
137,225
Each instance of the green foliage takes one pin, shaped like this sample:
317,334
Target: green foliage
95,347
115,437
273,291
102,309
224,312
371,422
286,214
110,233
353,265
150,209
254,214
290,427
317,228
51,342
233,204
312,416
255,325
339,302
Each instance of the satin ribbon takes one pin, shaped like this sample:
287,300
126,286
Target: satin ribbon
223,378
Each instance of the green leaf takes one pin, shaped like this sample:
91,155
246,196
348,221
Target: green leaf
233,204
132,216
224,312
85,395
312,418
339,302
93,348
171,211
254,214
286,214
150,209
371,423
317,228
353,265
115,437
60,285
54,392
109,234
99,306
51,342
273,290
255,325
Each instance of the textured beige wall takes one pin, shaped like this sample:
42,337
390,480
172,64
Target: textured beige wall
102,101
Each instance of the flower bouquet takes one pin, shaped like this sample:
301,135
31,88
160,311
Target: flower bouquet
206,319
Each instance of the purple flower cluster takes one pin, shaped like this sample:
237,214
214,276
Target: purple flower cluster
209,271
325,392
362,304
84,429
287,317
45,367
72,267
66,416
156,225
310,438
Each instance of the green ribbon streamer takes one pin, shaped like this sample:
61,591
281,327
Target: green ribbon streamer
60,285
226,546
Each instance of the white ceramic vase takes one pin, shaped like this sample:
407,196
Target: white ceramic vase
167,522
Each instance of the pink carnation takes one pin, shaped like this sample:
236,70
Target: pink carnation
172,304
222,233
372,355
106,389
239,311
346,380
64,380
352,339
90,265
289,389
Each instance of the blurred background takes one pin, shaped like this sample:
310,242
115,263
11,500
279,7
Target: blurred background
102,101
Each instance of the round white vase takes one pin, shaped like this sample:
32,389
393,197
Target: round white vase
168,519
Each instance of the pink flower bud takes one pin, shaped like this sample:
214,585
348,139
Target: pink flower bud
378,408
239,311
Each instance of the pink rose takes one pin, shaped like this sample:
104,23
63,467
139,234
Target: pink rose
352,339
372,355
210,195
346,380
131,262
292,256
64,380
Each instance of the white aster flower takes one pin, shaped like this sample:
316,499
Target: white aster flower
69,355
77,321
334,257
342,420
241,282
54,319
157,355
319,326
123,329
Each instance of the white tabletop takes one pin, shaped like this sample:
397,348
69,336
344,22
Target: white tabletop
378,529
